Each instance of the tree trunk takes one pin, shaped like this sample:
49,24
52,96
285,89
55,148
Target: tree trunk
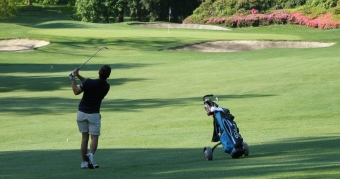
121,15
29,2
105,18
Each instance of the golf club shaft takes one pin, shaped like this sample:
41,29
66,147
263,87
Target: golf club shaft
91,57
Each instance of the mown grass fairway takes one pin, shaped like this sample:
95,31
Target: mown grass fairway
286,102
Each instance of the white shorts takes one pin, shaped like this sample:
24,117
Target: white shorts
89,123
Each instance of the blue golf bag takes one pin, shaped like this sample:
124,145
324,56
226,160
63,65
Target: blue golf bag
225,131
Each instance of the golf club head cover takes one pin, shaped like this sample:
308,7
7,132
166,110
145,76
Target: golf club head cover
72,76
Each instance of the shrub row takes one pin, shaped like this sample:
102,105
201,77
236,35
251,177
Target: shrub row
241,13
254,19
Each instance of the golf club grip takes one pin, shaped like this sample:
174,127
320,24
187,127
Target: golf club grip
77,70
208,95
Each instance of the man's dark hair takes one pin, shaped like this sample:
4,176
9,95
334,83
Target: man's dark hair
104,72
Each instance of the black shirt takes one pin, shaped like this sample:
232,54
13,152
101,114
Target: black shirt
94,93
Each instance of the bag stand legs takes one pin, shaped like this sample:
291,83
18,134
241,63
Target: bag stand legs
216,146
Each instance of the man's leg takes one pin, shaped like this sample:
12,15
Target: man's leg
83,127
94,143
84,144
94,131
90,156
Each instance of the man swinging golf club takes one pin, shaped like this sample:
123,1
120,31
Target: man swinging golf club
88,116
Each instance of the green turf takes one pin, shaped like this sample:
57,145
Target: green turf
154,125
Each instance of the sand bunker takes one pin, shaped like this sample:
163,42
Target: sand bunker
231,46
20,45
237,46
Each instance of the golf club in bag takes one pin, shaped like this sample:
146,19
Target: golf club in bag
72,75
225,131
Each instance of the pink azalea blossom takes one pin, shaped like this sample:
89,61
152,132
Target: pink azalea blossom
323,21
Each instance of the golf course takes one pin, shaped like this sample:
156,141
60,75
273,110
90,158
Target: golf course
285,100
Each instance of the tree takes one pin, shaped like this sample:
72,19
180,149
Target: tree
122,5
8,9
158,10
46,1
137,10
29,2
179,9
89,10
140,10
107,10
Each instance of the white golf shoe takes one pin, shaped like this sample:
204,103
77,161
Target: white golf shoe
84,165
90,159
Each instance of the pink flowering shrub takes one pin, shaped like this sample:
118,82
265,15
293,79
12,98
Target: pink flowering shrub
254,19
323,21
254,11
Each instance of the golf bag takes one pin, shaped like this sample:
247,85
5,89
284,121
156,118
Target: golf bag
225,131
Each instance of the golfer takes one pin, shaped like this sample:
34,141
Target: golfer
88,116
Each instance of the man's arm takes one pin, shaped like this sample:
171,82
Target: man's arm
76,89
80,77
76,73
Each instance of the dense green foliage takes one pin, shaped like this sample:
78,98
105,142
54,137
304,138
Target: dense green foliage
8,8
140,10
313,13
109,11
47,1
96,10
221,8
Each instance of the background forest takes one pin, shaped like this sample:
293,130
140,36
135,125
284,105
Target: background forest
322,14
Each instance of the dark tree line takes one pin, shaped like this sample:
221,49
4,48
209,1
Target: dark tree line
140,10
109,11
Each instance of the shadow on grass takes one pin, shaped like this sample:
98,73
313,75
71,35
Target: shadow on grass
59,105
138,104
30,15
313,157
39,83
57,68
49,82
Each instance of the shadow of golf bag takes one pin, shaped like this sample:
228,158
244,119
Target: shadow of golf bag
225,132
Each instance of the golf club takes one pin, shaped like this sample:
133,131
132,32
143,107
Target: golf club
90,58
